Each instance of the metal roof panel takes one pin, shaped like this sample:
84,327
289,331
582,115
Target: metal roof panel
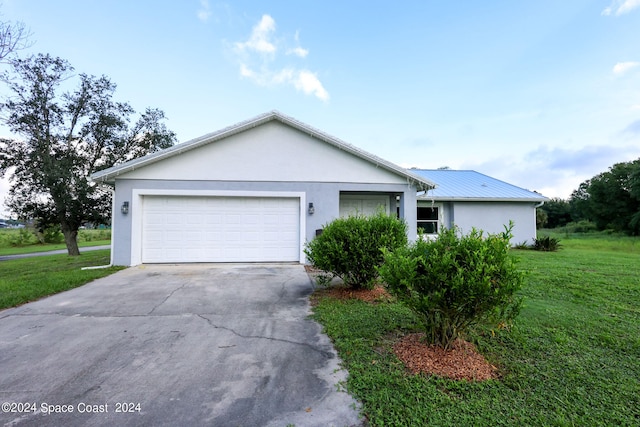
469,185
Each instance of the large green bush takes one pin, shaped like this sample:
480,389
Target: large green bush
52,234
351,248
455,281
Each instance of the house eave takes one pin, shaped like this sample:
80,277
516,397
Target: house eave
109,175
481,199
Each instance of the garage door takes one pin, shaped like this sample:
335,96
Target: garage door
220,229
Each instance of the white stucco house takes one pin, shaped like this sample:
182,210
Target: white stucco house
469,199
255,191
259,190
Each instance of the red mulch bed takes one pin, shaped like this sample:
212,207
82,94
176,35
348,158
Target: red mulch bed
374,295
460,362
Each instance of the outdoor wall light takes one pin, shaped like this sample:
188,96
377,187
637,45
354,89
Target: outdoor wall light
311,209
125,208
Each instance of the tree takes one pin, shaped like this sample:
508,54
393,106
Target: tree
579,203
64,138
611,199
558,212
13,36
541,218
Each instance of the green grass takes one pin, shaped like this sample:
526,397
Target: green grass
571,359
29,279
48,247
595,240
24,241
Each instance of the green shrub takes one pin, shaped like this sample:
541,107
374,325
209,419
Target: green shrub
546,244
455,281
350,248
21,237
581,227
522,245
93,235
53,234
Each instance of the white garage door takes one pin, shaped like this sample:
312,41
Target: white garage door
220,229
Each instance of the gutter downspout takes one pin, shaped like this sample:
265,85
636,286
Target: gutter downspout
535,222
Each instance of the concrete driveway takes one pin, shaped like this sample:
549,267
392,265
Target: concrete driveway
204,344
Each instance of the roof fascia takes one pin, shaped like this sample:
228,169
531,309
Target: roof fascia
480,199
108,175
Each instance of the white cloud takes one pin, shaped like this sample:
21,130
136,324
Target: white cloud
302,80
308,82
260,60
204,13
259,40
622,68
555,171
298,51
620,7
286,75
246,72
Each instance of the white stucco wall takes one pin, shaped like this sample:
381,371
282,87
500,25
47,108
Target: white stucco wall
270,159
126,249
271,152
491,217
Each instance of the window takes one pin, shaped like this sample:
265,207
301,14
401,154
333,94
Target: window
428,218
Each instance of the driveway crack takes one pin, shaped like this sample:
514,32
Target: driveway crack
327,354
168,296
283,289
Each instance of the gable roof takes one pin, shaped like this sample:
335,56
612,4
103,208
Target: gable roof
469,185
109,175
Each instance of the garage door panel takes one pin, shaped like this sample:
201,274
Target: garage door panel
153,219
220,229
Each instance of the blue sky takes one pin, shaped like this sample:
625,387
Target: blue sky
542,94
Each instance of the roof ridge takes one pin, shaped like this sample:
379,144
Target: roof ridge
109,173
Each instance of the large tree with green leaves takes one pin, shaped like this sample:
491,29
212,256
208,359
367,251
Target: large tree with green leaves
62,137
611,199
579,203
558,212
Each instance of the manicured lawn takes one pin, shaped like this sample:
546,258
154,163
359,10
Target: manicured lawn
571,359
29,279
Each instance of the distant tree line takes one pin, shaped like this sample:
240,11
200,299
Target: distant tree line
608,201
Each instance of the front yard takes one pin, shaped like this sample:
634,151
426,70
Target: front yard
571,359
29,279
